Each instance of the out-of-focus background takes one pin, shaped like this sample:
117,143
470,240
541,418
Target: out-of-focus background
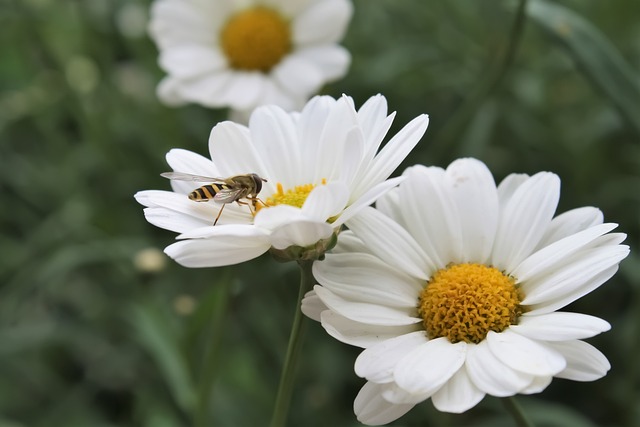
98,328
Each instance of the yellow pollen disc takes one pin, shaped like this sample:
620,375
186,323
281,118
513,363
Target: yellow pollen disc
463,302
256,39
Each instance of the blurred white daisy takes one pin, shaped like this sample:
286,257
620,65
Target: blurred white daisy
321,167
452,288
242,54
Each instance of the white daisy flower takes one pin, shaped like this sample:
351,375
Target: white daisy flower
452,288
321,167
242,54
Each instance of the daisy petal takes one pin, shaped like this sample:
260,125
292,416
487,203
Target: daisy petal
567,298
367,313
372,409
355,333
300,233
584,361
401,251
556,254
457,395
473,191
560,326
525,355
225,249
537,385
331,61
367,198
573,275
366,278
322,23
395,151
426,368
571,222
492,376
394,394
524,218
312,306
232,150
326,201
377,363
296,75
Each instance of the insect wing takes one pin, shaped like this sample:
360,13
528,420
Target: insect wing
181,176
228,195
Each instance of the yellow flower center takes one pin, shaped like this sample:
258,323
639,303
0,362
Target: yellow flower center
463,302
295,196
256,39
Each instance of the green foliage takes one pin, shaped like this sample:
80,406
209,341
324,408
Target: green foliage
87,338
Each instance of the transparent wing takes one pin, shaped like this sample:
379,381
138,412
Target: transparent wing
181,176
228,195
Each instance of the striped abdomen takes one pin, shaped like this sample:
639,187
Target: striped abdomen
206,192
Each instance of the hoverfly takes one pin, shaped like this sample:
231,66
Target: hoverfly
223,190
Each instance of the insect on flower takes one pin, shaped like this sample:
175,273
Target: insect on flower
223,190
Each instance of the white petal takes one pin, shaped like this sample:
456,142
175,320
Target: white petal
572,276
550,257
394,394
168,91
356,333
390,242
326,201
575,293
367,313
426,368
367,198
524,219
457,395
244,90
323,22
174,211
273,135
298,76
366,278
300,233
509,185
312,306
537,385
330,60
474,193
177,23
571,222
186,62
584,361
232,151
230,247
560,326
429,214
492,376
378,362
524,354
207,90
371,409
395,151
189,162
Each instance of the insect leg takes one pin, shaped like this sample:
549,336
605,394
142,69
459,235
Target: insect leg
219,213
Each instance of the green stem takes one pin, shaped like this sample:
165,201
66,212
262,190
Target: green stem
451,130
516,412
285,389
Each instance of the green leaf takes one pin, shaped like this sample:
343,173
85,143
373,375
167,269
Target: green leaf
155,333
597,58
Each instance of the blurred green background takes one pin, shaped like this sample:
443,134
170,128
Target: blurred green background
96,329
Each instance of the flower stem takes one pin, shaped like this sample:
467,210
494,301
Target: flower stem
516,412
285,389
